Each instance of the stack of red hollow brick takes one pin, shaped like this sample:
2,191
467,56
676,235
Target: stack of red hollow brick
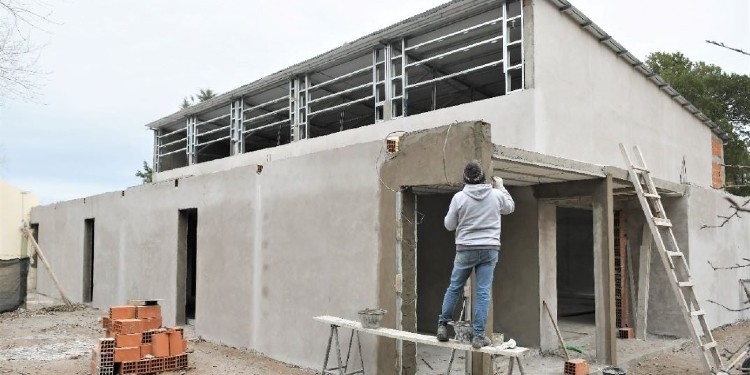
135,343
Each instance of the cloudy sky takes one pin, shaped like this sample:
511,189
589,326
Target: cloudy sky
112,66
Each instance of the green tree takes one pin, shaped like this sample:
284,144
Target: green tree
723,97
146,174
201,96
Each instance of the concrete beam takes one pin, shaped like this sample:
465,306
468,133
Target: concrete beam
604,272
570,189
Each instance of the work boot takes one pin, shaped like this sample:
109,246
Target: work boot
442,332
480,341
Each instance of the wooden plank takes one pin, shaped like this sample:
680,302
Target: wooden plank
39,252
644,274
420,338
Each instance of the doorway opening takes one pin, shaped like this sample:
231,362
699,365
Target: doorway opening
575,272
187,264
88,260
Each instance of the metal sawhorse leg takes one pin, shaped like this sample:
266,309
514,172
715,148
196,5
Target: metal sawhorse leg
342,367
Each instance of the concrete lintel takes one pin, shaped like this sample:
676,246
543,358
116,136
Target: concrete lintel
570,189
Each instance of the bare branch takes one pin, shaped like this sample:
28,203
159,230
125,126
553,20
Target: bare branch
736,266
733,206
730,309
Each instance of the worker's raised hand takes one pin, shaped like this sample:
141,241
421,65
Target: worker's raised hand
497,182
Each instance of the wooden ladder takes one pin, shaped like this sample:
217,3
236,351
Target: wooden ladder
672,258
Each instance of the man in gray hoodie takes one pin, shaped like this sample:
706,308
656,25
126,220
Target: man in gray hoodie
474,214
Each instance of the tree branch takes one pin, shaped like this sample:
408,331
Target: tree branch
730,309
736,266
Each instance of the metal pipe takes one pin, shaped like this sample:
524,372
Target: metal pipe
172,152
212,131
266,115
335,94
274,101
265,126
211,120
456,74
460,49
340,105
463,31
173,132
173,142
211,141
339,78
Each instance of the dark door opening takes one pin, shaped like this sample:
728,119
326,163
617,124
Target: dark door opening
187,230
575,265
88,260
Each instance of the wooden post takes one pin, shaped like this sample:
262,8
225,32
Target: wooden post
39,252
644,272
604,272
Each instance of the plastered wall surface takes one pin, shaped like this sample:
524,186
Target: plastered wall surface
273,249
587,101
723,247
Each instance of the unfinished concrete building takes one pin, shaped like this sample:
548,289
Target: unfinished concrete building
288,198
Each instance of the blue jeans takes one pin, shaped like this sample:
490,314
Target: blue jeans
484,262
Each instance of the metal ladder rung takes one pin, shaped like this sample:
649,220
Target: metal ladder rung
709,345
651,195
662,222
640,169
675,254
685,284
698,313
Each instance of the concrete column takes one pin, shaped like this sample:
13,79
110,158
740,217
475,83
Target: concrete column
547,222
604,272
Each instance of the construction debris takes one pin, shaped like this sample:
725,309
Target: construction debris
136,343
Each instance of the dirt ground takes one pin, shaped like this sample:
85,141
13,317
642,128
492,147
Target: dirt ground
686,360
58,340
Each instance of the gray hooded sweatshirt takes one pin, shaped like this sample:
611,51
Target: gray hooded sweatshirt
474,214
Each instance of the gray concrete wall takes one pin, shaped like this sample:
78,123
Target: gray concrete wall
587,100
274,249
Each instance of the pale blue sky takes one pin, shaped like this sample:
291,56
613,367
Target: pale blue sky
113,66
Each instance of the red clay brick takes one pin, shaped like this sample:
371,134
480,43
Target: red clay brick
142,312
717,148
151,323
128,340
122,312
175,343
126,326
576,367
127,354
716,177
106,322
145,350
160,345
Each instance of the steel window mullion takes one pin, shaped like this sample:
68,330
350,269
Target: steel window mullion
459,32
